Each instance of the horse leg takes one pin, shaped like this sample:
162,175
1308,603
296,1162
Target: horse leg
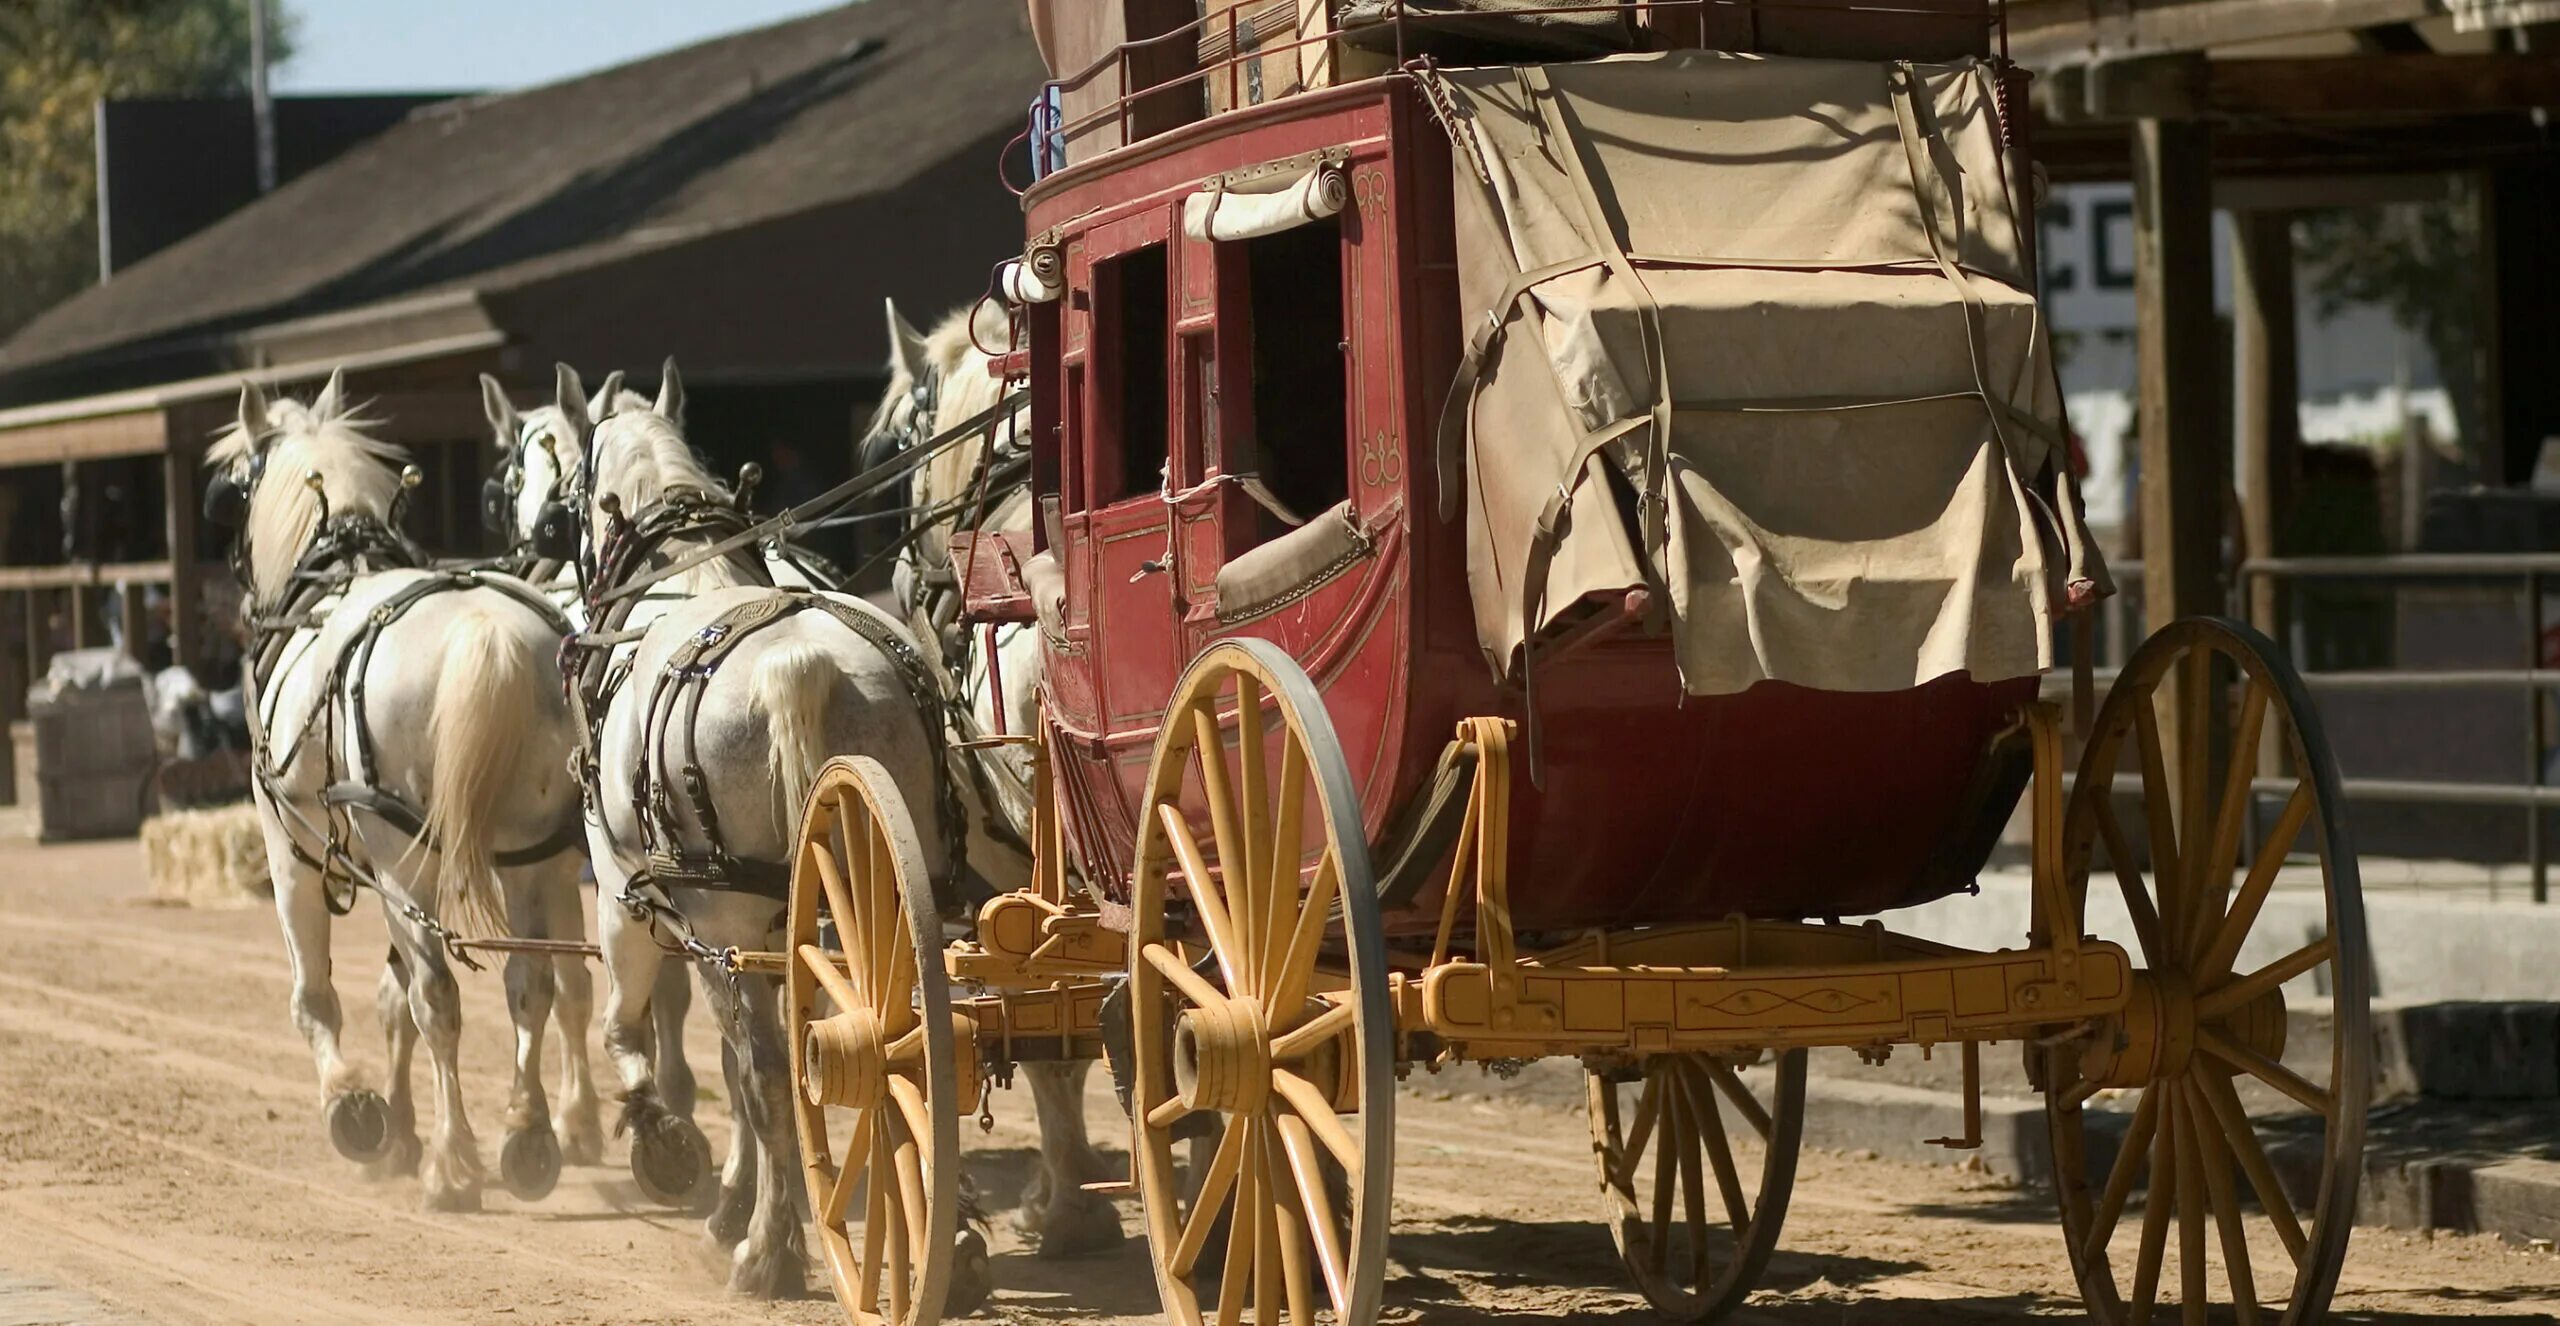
529,1157
662,1141
451,1175
1057,1211
575,1116
668,1007
358,1119
729,1218
400,1039
773,1261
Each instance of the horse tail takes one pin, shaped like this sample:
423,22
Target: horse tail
794,685
487,699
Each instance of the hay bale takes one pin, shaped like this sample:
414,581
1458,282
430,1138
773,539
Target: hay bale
207,858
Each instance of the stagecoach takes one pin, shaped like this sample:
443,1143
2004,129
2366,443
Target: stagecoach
1545,516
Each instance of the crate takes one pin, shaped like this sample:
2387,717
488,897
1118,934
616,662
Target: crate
94,753
1234,29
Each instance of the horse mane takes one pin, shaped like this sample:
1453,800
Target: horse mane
358,473
641,456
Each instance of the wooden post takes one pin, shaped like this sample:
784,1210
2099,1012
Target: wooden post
180,486
2184,474
2185,470
83,621
2266,381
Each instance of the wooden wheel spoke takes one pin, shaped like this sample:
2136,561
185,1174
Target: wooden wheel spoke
1267,1292
1298,963
2111,1200
837,987
2224,999
912,1110
2264,1069
2193,1293
2218,953
908,1048
1639,1130
1214,1186
2214,1161
1720,1153
1253,803
1241,1229
1192,985
1242,911
2166,864
875,1224
1288,847
1311,1106
849,923
2156,1209
1293,1232
856,1154
1697,1113
2242,1138
1736,1090
1666,1169
1304,1039
902,1233
2213,872
1224,939
881,875
2137,896
1168,1112
1307,1172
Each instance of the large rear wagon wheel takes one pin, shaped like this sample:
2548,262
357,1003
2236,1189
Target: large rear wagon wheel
1294,1071
1666,1139
868,1010
2201,1047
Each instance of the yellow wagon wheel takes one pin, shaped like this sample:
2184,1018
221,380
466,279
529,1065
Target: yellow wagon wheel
2202,1045
1666,1139
868,1009
1240,1015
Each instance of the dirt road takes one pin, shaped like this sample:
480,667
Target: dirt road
162,1160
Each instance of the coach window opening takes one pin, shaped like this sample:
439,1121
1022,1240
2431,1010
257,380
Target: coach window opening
1297,437
1133,368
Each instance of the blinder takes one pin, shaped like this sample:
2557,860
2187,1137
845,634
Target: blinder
497,506
557,532
226,502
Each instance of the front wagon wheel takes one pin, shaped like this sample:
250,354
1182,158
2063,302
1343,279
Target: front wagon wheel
1263,1020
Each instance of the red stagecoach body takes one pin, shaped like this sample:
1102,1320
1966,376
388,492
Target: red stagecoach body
1649,805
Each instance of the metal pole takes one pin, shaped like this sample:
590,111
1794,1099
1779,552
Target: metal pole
2534,726
262,109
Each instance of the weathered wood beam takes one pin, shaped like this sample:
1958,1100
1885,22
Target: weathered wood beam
2266,381
2185,471
2323,88
2046,35
2393,39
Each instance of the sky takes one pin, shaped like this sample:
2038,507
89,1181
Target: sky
480,45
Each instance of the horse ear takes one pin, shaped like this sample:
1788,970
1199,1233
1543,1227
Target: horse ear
332,396
906,345
600,407
571,396
253,413
501,412
671,394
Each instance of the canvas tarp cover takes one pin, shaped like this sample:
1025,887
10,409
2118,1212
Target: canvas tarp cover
1757,334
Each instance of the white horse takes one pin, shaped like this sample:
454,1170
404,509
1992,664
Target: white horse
415,691
936,383
781,700
540,451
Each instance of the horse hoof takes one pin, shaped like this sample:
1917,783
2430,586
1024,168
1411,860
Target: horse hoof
778,1273
671,1161
529,1164
360,1125
459,1200
581,1141
1080,1227
973,1279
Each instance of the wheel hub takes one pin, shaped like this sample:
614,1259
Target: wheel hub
1222,1057
843,1059
2152,1038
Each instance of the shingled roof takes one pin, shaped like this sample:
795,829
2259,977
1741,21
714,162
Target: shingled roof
490,194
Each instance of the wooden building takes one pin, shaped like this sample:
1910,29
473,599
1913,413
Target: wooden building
745,205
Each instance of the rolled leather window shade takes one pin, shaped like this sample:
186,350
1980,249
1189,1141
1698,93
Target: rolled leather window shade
1221,212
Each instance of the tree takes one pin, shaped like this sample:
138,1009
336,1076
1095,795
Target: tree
2422,262
57,59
